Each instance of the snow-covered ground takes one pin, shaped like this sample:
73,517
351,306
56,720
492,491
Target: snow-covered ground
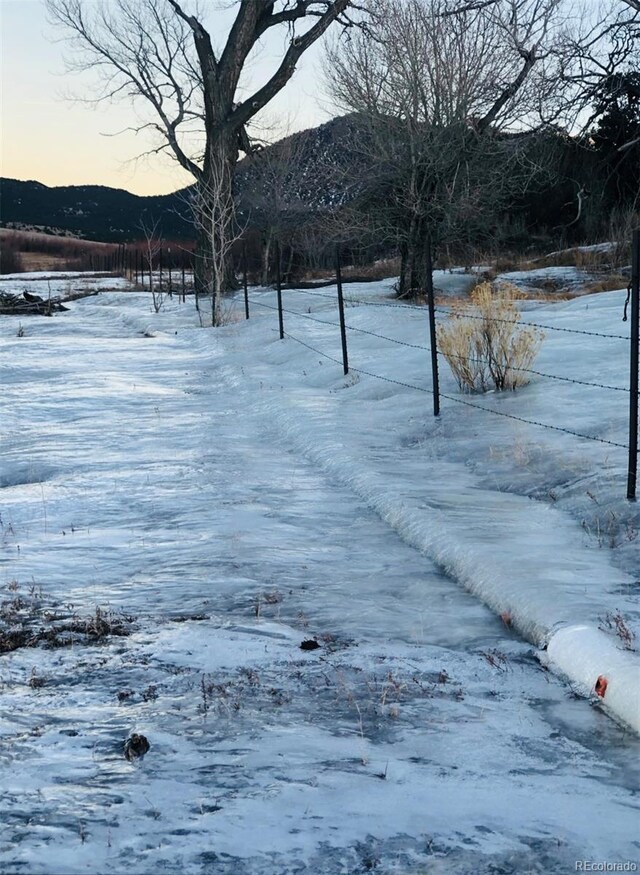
54,284
548,279
236,495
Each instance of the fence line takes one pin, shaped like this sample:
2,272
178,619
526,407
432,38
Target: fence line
631,447
358,370
439,352
448,312
133,261
537,325
458,400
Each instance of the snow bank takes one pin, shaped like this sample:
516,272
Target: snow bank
590,659
529,561
526,564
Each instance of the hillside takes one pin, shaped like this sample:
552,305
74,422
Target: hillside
98,212
91,211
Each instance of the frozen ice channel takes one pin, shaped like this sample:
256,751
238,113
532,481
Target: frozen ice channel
141,475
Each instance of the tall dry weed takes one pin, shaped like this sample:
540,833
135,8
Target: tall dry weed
484,345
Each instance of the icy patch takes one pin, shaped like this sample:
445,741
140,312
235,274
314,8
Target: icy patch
25,473
547,279
220,488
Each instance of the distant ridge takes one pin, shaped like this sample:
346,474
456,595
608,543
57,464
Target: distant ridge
95,212
98,212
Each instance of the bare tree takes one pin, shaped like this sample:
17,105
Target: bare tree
440,91
598,40
272,199
152,246
475,5
159,53
214,215
599,49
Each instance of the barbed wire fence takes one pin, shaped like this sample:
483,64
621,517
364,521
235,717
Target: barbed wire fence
131,262
632,391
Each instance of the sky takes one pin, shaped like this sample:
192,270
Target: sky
48,136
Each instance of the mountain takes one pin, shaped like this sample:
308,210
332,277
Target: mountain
91,211
315,161
308,172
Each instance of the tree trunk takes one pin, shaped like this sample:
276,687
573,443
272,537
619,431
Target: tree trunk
410,277
266,255
414,274
402,282
290,262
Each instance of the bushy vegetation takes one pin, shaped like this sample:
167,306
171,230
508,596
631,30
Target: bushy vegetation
484,345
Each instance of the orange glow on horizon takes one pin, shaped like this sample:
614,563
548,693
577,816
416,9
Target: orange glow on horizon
46,137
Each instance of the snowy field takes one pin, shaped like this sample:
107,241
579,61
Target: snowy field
222,496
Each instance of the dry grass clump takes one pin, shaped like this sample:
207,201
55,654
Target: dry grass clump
27,620
606,284
486,348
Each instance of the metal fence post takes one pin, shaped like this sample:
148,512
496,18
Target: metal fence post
196,293
343,329
244,279
432,330
279,289
633,375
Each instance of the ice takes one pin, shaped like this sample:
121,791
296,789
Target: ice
236,495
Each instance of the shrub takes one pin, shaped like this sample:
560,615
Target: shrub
486,347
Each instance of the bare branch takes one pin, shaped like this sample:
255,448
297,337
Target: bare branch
159,53
298,46
470,7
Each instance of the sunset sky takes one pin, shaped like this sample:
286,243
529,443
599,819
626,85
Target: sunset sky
48,137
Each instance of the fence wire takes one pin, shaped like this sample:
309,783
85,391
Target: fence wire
463,315
425,348
475,360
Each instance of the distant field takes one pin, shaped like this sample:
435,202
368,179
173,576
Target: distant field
28,250
44,236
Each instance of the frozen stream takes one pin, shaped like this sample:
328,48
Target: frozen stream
139,475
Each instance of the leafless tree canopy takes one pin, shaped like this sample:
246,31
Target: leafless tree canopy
449,88
159,54
438,89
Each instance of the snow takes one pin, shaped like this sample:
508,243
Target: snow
589,654
237,494
551,279
591,247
